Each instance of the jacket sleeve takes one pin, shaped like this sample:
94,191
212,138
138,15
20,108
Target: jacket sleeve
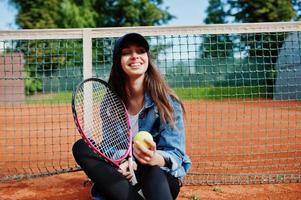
171,144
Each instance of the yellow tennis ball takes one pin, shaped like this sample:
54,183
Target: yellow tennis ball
141,136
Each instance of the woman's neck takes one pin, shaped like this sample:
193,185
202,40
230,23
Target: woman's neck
136,96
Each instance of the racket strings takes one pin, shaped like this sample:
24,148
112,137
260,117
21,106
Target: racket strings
104,119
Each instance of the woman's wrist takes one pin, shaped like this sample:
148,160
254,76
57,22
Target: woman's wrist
159,160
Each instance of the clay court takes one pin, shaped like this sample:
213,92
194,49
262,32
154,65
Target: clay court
70,186
240,149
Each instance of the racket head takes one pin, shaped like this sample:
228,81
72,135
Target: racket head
102,120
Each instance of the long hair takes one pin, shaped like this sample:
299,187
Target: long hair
154,85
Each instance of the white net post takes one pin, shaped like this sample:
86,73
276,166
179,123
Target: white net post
87,73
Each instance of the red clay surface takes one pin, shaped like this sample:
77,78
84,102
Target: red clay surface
223,137
70,186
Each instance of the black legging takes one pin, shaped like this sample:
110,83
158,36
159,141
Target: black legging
155,183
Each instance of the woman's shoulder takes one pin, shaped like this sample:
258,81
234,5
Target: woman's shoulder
175,103
173,100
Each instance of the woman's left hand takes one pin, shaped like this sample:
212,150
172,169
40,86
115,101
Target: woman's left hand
147,156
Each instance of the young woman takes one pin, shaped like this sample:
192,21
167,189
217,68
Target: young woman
154,107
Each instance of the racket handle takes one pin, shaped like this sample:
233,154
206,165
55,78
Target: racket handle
134,179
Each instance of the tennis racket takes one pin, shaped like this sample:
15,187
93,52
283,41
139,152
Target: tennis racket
102,120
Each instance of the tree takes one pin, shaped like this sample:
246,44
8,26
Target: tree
216,45
52,55
215,48
76,15
215,12
297,7
260,49
37,14
89,13
261,11
262,46
118,13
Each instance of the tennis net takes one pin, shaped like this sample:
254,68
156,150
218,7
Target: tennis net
240,84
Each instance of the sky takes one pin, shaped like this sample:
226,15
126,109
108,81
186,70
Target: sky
187,12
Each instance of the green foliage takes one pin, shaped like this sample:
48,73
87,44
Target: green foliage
48,56
205,93
192,196
217,189
280,177
215,12
216,45
77,15
37,13
297,8
261,11
89,13
118,13
32,85
261,46
45,57
224,11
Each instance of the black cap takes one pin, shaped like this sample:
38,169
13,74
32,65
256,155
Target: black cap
128,38
135,38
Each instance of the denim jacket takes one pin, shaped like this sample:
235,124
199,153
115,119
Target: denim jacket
170,141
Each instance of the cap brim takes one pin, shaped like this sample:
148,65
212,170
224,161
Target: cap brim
133,38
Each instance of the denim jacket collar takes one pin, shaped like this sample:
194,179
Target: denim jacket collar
148,102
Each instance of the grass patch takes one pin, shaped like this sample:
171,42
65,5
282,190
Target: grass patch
221,92
206,93
59,97
280,177
217,189
192,196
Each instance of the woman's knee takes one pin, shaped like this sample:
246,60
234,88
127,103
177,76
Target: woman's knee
154,171
154,178
150,172
78,149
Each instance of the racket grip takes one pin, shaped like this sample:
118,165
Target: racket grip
134,179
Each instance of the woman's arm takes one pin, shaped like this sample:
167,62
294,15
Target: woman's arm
169,152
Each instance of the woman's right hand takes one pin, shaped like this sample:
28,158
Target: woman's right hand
125,171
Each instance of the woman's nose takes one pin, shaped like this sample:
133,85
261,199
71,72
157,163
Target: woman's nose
134,54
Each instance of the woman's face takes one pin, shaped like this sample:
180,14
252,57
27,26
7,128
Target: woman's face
134,61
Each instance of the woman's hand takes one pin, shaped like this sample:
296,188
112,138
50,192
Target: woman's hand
125,171
148,156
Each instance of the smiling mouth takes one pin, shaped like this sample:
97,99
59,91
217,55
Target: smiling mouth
135,65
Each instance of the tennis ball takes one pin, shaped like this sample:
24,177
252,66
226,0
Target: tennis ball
141,136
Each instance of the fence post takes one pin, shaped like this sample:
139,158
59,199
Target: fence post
87,53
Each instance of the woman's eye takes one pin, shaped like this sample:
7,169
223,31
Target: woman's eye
126,52
140,51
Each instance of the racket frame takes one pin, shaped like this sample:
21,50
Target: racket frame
128,153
